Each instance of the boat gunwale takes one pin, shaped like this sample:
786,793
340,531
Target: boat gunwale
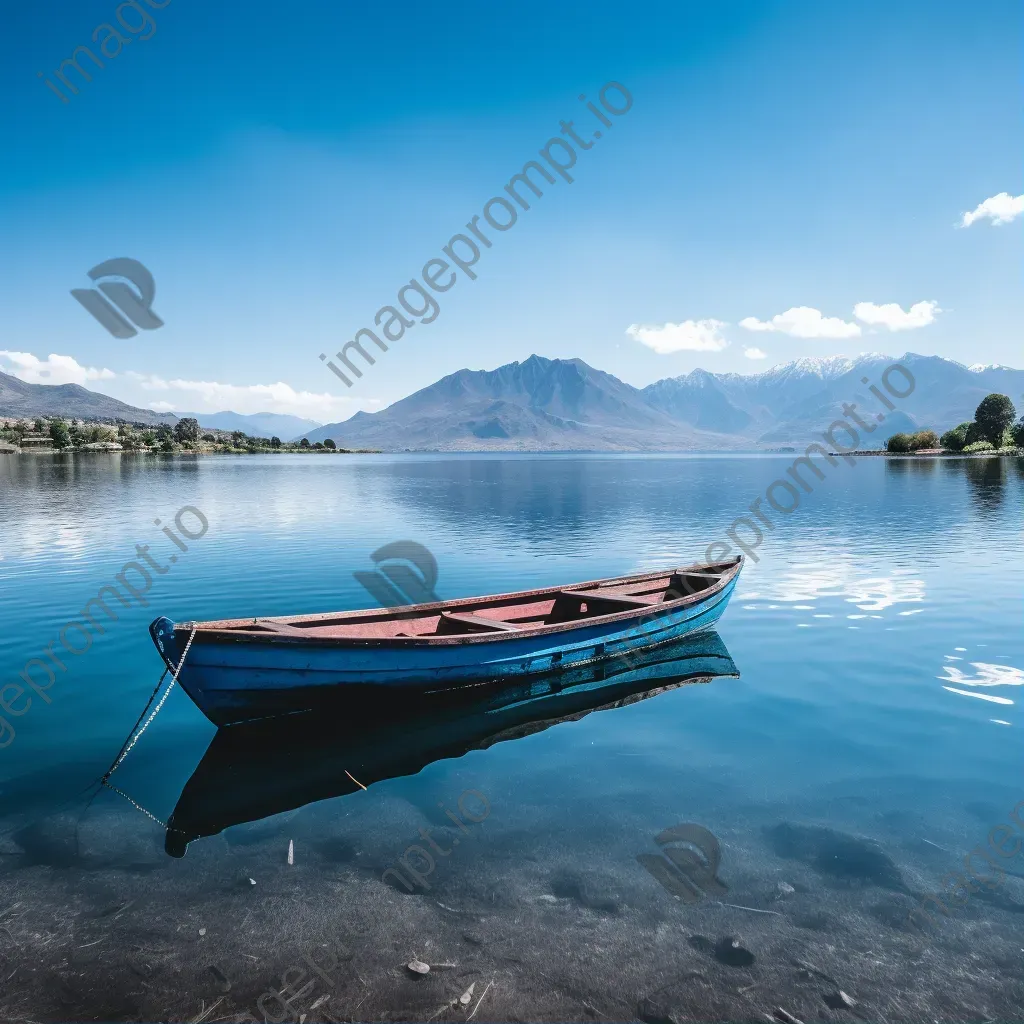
226,630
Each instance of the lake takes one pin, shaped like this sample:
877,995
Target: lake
856,736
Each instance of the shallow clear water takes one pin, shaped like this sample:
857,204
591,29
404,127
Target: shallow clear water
880,651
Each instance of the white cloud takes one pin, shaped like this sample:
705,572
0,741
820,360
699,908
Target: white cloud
893,316
212,396
755,353
52,370
689,336
187,395
1000,209
803,322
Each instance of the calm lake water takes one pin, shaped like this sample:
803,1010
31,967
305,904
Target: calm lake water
871,740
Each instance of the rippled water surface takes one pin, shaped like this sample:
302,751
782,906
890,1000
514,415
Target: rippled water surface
871,741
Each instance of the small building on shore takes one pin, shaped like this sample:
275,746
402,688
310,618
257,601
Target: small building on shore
36,442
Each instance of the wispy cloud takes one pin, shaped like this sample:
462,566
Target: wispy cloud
213,396
186,395
1000,209
688,336
54,369
893,316
804,322
754,353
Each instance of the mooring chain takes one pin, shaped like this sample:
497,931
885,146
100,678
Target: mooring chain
139,807
135,739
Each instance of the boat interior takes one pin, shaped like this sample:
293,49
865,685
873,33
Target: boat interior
502,614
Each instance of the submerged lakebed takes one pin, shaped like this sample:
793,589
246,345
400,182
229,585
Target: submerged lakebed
849,735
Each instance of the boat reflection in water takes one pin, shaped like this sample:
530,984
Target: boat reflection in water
252,771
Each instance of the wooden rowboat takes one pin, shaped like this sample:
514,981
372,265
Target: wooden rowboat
242,669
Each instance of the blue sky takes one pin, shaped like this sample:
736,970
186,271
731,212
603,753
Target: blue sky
283,171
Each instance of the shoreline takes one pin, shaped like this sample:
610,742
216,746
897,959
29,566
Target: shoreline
1013,453
929,454
234,451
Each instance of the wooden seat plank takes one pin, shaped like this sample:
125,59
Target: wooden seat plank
479,621
629,600
281,627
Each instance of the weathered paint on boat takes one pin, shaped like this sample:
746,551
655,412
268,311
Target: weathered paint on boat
236,671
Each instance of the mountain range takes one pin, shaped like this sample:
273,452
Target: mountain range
566,405
257,424
21,400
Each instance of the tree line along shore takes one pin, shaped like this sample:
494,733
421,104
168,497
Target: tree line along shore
55,434
992,430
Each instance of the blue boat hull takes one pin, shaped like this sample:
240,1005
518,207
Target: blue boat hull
232,681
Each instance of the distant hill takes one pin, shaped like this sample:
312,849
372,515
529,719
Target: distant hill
537,405
70,400
257,424
564,404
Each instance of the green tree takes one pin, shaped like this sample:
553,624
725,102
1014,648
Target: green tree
898,443
993,416
304,443
163,432
149,438
275,442
974,433
978,446
39,424
1017,432
60,434
186,429
924,439
955,439
328,443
